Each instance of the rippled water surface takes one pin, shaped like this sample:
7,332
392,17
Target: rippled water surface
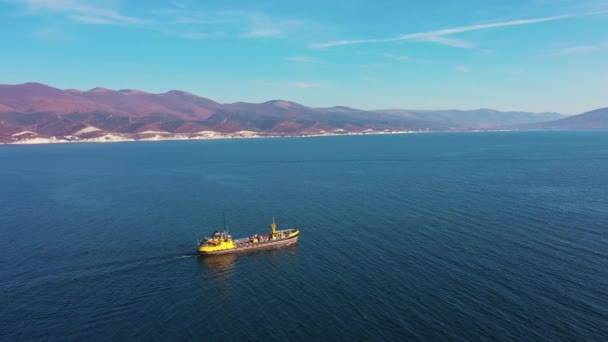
427,236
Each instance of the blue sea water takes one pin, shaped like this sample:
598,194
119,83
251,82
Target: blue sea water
404,237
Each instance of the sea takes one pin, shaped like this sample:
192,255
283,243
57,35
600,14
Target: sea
438,236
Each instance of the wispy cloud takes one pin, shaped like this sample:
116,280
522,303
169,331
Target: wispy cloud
262,25
443,40
302,59
194,22
82,12
265,32
591,7
244,24
186,21
462,68
439,36
51,34
581,48
396,57
192,35
181,15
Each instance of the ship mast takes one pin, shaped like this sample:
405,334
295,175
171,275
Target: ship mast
273,227
225,225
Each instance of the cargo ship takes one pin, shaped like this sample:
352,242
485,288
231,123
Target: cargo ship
221,242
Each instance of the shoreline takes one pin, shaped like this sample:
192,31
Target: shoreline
115,138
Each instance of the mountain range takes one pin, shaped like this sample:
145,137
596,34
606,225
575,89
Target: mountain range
595,119
34,109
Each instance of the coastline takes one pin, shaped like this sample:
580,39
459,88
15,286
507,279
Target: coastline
212,135
208,135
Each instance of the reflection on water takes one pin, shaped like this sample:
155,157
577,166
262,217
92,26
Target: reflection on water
221,266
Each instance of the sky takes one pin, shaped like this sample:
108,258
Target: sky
527,55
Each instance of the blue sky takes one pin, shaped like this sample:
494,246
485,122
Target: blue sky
533,55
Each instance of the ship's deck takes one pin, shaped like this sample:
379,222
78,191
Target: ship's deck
264,239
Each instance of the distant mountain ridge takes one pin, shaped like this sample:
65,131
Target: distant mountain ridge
476,118
34,109
595,119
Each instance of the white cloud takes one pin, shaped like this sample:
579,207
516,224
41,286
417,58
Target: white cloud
396,57
302,59
242,24
438,36
442,40
182,20
193,35
82,12
51,34
91,20
581,48
263,32
591,7
462,68
262,25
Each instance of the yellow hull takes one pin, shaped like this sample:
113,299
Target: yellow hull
237,246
